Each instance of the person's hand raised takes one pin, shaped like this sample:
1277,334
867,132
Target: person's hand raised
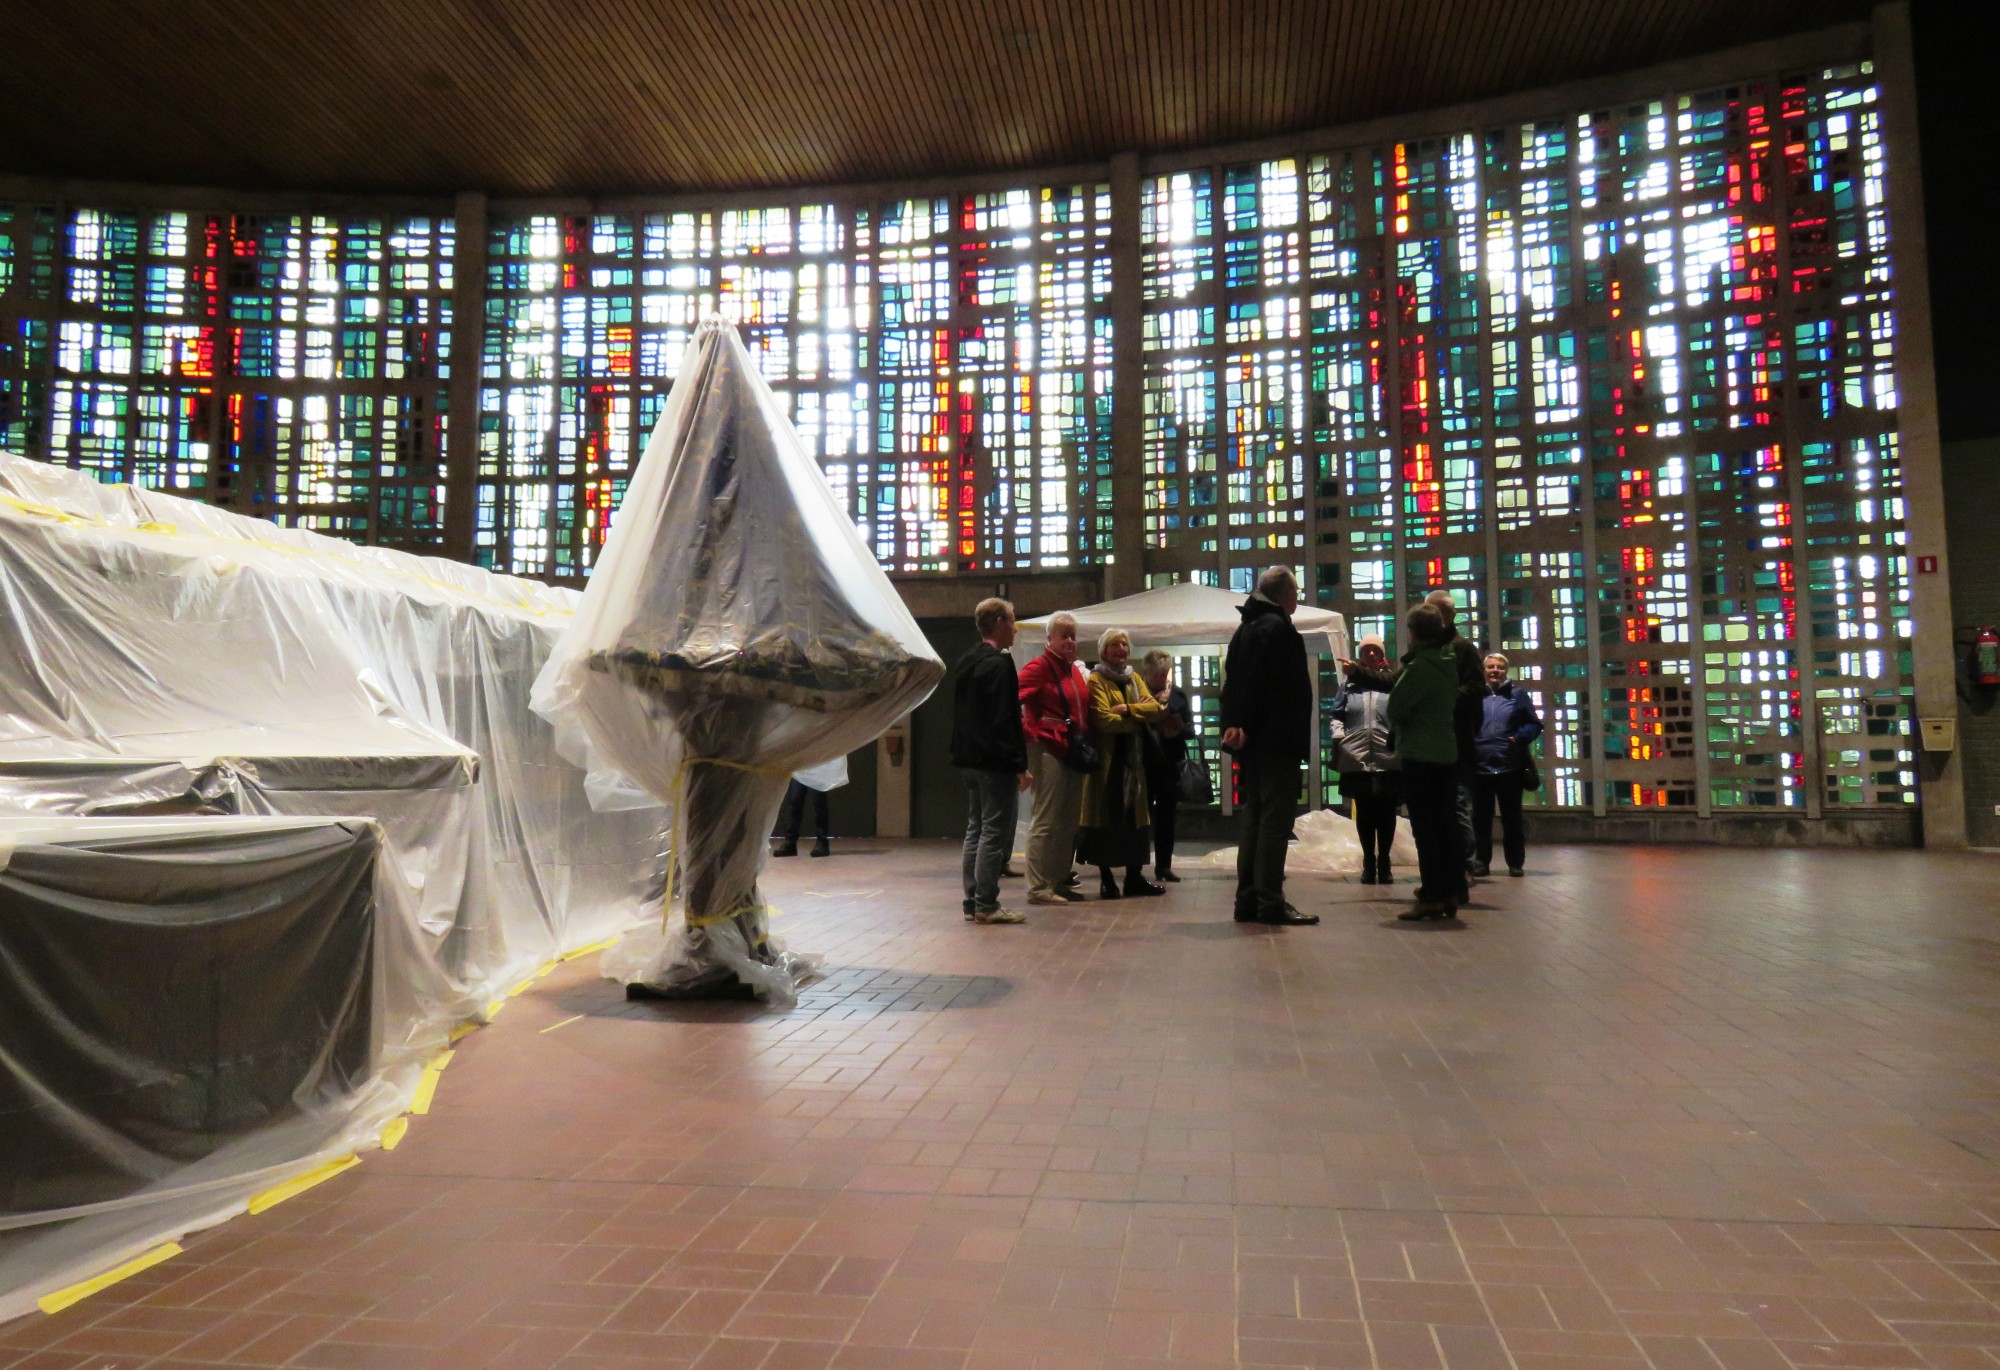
1232,739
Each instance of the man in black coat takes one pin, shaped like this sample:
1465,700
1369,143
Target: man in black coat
1467,714
991,753
1267,723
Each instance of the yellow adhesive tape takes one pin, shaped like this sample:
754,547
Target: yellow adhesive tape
76,1293
585,951
420,1102
493,1009
277,1194
393,1134
464,1030
564,1023
517,987
547,968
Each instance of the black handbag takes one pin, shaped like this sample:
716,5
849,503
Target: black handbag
1193,785
1531,771
1080,754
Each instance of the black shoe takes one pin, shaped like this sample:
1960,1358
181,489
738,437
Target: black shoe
1069,896
821,848
1107,888
1136,889
1368,874
1383,875
1246,913
1168,876
966,906
1290,917
1462,895
1515,870
1481,868
1071,881
1009,873
787,849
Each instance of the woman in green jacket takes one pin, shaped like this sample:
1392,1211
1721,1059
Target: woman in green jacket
1420,717
1117,828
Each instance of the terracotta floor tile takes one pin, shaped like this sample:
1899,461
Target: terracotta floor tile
1608,1123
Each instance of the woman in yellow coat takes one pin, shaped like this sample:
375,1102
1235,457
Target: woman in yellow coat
1117,824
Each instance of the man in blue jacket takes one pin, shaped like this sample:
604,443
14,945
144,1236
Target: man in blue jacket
1508,726
1267,724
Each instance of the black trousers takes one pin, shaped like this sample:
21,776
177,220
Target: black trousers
1503,791
793,814
1163,798
1375,826
1431,793
1270,803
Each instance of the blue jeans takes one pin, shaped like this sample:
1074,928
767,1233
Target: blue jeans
992,803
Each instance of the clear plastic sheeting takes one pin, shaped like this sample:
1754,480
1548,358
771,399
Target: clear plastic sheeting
736,629
1324,843
189,1008
170,660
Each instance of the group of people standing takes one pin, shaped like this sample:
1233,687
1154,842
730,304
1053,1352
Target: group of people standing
1448,736
1102,749
1443,734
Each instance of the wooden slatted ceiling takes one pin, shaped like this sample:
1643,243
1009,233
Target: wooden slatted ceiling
532,97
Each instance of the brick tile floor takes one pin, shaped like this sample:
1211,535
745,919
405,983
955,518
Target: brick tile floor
1686,1109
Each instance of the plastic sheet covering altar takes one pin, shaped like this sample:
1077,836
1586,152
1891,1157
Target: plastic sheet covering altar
164,658
189,1009
735,629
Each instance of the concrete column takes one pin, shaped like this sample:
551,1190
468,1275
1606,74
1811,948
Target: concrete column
1939,774
468,344
1127,573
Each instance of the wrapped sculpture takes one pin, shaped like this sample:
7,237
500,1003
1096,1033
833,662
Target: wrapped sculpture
735,629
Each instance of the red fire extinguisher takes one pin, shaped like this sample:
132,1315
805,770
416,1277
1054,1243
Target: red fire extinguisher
1986,656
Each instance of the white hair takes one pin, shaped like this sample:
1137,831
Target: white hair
1062,621
1111,635
1276,578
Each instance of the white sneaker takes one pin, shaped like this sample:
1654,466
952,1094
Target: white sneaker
1000,916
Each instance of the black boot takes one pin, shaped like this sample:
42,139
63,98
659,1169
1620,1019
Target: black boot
1137,885
1107,888
1367,870
788,847
822,848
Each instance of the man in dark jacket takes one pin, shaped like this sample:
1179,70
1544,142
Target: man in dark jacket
991,753
1508,726
1466,716
1267,723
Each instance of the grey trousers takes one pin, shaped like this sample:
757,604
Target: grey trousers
1270,790
992,802
1051,820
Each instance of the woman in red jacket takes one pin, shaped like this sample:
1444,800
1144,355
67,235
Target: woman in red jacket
1054,694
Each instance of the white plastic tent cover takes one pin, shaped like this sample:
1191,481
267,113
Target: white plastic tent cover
162,657
1184,618
735,629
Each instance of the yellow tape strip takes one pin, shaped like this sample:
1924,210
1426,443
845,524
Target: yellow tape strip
392,1135
277,1194
76,1293
519,985
547,968
564,1023
493,1009
464,1030
420,1102
585,951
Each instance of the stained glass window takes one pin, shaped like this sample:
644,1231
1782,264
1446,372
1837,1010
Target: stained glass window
1622,381
286,366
